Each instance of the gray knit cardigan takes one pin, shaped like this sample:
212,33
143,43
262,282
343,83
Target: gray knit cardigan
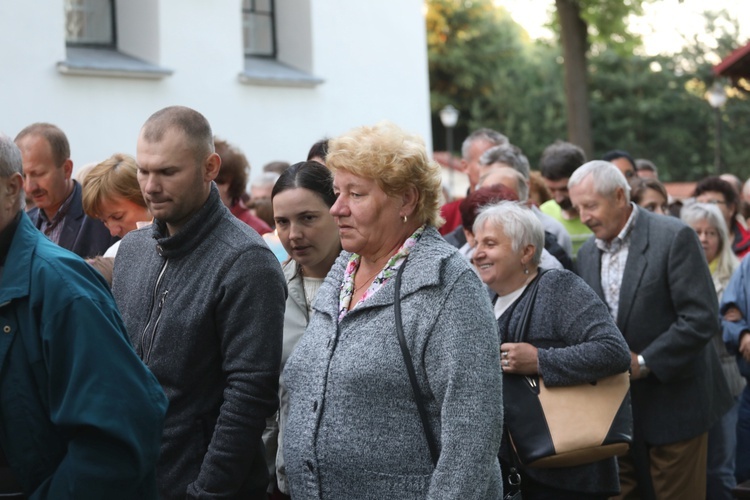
353,428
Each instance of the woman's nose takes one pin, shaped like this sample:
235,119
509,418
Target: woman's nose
337,209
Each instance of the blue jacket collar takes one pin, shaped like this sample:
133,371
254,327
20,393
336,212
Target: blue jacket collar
6,237
16,277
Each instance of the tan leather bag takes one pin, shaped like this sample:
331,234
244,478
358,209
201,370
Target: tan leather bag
565,426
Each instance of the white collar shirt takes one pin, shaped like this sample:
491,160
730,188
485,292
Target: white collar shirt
614,257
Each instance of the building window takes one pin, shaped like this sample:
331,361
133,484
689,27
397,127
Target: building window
90,22
113,39
258,26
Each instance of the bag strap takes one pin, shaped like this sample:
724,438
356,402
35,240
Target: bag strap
514,472
523,325
514,475
410,369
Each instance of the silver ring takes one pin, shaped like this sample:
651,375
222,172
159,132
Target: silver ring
506,362
504,354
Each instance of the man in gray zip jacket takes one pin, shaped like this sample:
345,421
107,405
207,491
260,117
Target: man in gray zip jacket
203,300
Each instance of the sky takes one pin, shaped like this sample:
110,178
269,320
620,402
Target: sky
661,25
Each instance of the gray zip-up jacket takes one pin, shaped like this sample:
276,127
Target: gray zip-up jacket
205,311
354,430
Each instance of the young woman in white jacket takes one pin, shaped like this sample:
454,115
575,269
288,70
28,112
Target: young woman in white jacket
302,198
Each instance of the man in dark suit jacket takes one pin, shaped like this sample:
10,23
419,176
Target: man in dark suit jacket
652,273
59,213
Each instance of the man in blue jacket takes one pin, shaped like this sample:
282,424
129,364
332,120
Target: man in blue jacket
80,416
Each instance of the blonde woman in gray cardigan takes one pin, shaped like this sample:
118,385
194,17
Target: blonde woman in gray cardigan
354,430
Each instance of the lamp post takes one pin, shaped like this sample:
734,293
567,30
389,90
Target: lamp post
717,98
449,118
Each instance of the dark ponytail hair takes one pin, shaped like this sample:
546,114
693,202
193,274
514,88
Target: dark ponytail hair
319,150
309,175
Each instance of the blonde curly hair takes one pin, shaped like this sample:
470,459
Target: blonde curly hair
395,159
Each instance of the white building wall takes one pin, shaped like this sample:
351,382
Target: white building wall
371,55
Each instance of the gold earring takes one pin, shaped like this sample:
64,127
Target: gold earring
405,219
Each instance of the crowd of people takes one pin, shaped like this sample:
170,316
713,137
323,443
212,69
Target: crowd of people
344,330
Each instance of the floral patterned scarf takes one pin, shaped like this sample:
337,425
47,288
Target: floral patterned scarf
390,269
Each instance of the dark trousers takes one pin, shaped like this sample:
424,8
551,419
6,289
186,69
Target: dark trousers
742,465
722,450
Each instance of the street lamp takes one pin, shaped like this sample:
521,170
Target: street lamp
449,118
717,98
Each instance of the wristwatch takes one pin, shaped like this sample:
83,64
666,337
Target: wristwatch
642,366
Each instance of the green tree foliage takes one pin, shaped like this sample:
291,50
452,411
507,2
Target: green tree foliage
471,47
607,24
722,37
640,104
483,63
655,107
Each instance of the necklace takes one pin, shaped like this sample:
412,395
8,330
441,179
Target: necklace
368,281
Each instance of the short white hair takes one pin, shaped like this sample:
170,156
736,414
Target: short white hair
607,178
521,182
11,163
518,223
487,135
10,157
509,155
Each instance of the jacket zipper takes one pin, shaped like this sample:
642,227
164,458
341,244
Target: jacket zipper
147,351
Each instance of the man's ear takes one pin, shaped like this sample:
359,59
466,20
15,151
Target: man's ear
463,165
212,164
13,187
732,207
619,196
67,166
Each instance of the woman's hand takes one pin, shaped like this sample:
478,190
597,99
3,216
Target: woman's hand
520,358
745,345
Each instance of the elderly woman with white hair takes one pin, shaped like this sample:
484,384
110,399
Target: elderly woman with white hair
581,344
709,223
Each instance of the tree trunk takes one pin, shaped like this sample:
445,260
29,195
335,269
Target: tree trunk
573,32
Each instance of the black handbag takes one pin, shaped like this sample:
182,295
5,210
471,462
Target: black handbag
565,426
